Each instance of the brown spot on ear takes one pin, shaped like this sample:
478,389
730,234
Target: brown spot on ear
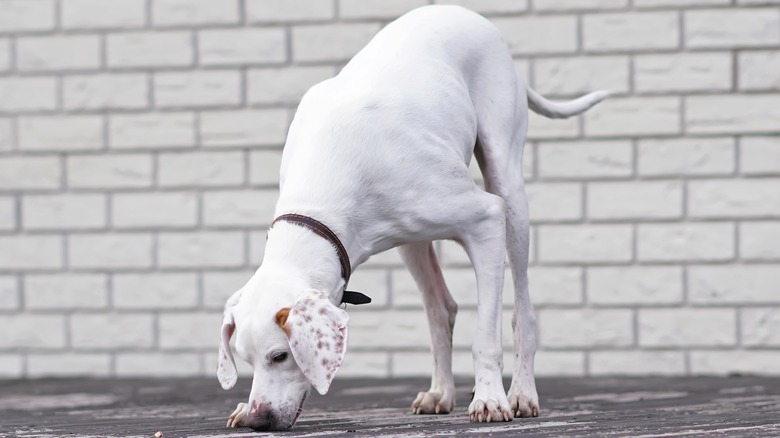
281,319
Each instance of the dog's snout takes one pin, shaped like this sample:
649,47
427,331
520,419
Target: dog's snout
262,417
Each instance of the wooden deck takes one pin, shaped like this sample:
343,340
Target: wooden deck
740,406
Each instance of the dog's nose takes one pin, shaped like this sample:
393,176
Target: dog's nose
261,417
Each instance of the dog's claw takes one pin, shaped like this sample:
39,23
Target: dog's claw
433,402
492,410
234,420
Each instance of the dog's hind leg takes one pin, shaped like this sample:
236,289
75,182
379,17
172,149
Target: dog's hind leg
421,261
499,153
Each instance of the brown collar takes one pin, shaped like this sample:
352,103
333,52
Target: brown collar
326,233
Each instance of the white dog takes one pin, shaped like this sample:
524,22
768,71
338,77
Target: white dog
377,157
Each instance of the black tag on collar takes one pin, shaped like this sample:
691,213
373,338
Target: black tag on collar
351,297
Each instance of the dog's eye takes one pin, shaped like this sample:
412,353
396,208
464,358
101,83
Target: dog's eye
279,357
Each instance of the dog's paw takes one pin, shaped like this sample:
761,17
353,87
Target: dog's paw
489,410
432,402
238,416
523,405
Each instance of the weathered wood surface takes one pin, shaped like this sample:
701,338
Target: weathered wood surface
742,406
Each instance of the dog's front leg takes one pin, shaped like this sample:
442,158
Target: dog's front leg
484,241
420,259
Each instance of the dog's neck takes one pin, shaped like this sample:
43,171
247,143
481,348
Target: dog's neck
299,252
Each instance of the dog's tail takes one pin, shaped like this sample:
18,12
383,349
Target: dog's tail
563,110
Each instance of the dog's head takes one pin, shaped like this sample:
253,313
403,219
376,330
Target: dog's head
291,346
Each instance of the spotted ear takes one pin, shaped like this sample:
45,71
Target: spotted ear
226,364
318,337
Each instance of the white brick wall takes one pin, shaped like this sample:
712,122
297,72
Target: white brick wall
140,143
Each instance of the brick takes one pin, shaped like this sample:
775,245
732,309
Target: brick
7,213
732,114
242,46
27,252
373,282
690,72
201,169
194,12
158,364
557,364
5,54
639,200
554,201
64,211
21,173
554,285
569,5
733,284
686,156
330,42
105,91
198,88
634,116
540,127
11,366
189,330
155,290
257,241
585,328
70,365
588,159
149,49
154,210
678,3
685,241
759,155
109,171
379,9
373,364
77,52
219,286
6,135
27,15
732,28
118,251
740,362
687,327
32,331
111,331
9,293
755,70
247,208
539,34
760,327
99,14
58,133
759,240
584,243
199,249
575,76
635,285
284,85
489,6
28,94
152,130
409,328
637,363
734,198
264,167
262,127
270,11
66,291
635,31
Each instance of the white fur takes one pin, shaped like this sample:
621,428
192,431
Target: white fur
380,154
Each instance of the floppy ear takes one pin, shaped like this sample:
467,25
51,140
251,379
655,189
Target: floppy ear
226,364
318,337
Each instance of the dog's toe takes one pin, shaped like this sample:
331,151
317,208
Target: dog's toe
239,414
433,402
